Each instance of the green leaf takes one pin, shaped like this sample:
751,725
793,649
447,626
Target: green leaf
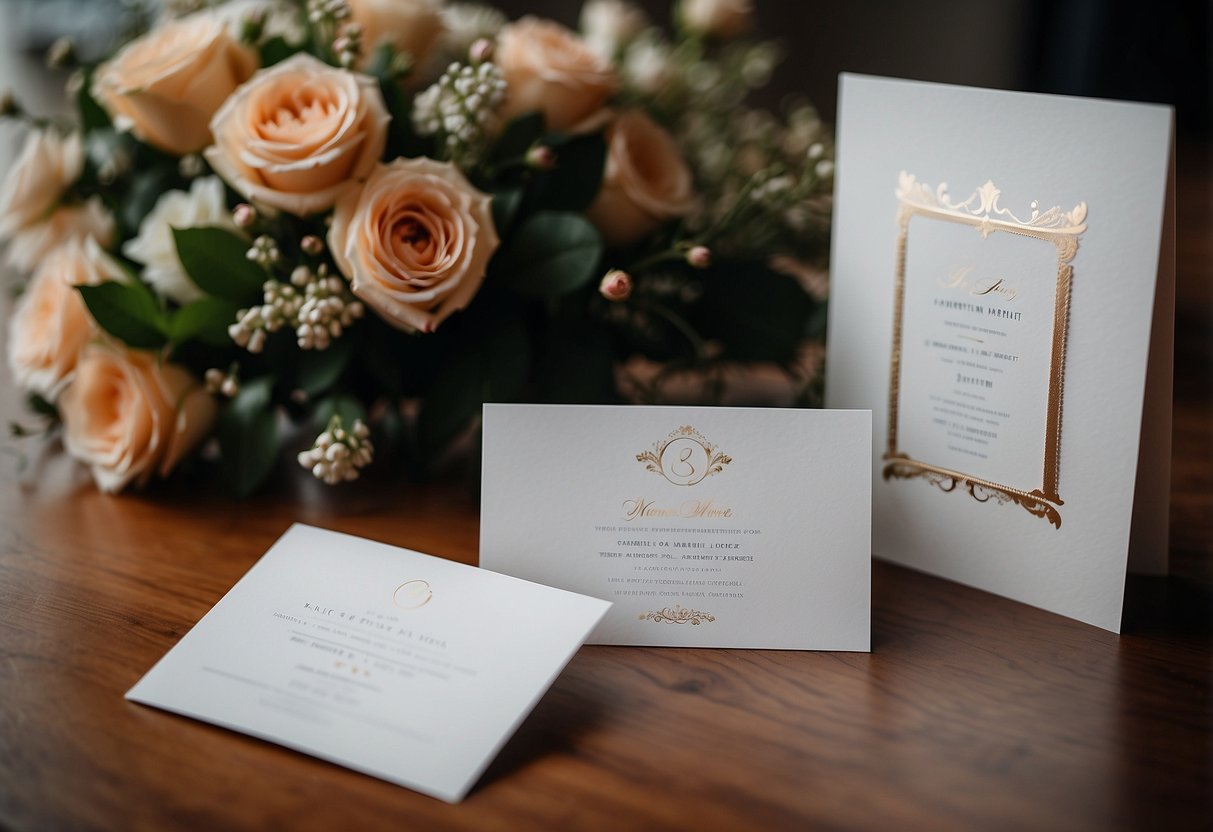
455,397
493,370
318,370
248,436
758,314
41,406
517,137
275,50
215,259
402,140
92,115
206,319
126,312
552,253
147,186
578,364
347,407
577,177
507,358
380,63
505,206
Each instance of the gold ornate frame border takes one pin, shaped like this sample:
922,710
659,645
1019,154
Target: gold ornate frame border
982,211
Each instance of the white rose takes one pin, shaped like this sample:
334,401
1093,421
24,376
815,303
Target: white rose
203,205
68,223
47,165
717,18
609,25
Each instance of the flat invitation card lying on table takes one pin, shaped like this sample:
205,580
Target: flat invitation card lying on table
706,527
994,301
400,665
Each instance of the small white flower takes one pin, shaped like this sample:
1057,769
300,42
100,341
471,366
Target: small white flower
202,205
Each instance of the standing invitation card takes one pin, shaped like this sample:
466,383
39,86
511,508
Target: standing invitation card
994,300
400,665
705,527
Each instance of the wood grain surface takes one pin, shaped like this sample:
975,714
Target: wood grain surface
972,712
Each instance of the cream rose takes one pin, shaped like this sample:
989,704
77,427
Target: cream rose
128,415
646,182
717,18
50,324
47,166
66,224
296,133
414,241
610,25
166,85
412,26
202,205
548,68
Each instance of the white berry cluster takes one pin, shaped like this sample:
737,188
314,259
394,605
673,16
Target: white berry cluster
460,108
317,305
339,454
348,45
265,252
327,11
218,381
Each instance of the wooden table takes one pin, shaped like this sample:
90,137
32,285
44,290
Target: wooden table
972,712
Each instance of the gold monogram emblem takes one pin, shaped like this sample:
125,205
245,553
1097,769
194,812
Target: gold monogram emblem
412,595
685,457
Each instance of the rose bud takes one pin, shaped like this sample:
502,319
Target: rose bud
616,285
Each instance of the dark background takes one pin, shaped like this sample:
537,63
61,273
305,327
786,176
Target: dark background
1158,51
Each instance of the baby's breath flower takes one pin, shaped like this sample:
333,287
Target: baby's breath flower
316,305
338,454
226,384
264,252
190,166
460,108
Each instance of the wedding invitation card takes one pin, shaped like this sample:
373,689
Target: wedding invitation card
403,666
994,300
706,527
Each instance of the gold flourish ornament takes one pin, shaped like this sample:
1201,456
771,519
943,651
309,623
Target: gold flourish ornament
677,614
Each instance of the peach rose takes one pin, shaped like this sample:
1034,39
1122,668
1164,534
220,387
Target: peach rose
128,415
645,183
51,324
296,133
548,68
47,166
412,26
414,241
717,18
165,86
66,224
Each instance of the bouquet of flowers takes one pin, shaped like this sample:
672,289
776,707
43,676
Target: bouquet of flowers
364,218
